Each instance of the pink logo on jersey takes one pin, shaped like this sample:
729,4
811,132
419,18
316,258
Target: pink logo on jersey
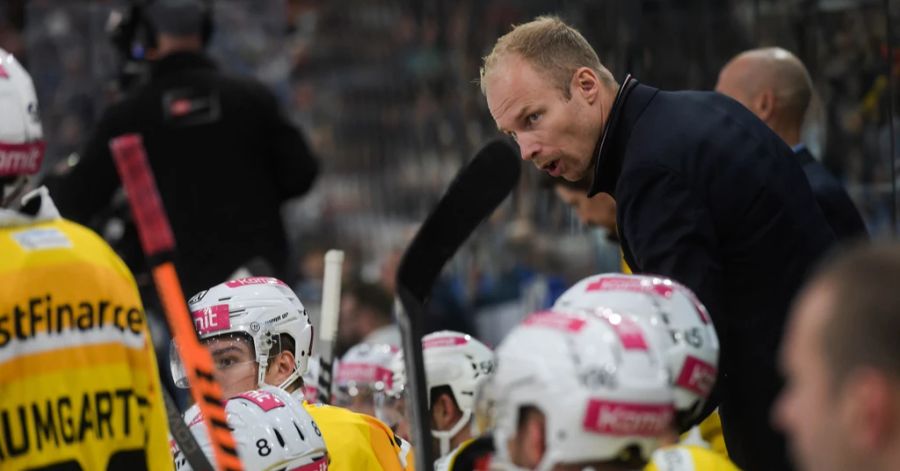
555,320
196,420
627,419
444,342
364,373
211,319
254,280
264,399
320,464
629,331
697,376
625,283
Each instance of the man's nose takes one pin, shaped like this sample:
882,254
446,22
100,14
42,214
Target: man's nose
529,148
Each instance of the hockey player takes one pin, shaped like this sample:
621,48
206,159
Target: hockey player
258,334
575,391
370,379
272,432
691,347
79,388
456,364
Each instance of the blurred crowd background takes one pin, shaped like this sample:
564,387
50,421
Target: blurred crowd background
385,91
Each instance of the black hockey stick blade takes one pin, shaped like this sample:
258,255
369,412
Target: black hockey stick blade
473,195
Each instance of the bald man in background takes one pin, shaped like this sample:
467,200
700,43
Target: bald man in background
775,86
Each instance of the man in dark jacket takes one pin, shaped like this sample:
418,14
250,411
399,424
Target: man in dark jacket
224,155
706,194
775,86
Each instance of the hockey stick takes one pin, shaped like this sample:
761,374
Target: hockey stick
158,244
328,321
187,444
472,196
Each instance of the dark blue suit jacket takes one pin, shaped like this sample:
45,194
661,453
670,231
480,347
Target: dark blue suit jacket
833,200
708,195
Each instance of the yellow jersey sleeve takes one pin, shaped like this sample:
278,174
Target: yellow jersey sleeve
358,442
711,432
688,458
79,385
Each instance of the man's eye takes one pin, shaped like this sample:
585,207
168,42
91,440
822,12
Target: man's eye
222,363
533,118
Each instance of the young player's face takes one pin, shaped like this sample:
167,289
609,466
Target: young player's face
235,362
810,409
557,134
598,211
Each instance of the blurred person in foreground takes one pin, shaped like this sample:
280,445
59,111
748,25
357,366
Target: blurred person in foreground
775,85
841,405
79,387
705,194
574,391
223,153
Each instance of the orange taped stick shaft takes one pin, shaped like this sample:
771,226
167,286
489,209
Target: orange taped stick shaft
158,241
198,367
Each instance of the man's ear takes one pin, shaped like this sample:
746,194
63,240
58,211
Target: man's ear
764,104
869,409
444,413
536,443
585,83
280,368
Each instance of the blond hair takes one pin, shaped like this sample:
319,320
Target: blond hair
554,48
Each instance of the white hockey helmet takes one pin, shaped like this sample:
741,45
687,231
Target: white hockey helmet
604,392
271,429
692,354
370,378
260,308
21,134
462,363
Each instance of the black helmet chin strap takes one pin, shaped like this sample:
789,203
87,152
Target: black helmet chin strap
13,187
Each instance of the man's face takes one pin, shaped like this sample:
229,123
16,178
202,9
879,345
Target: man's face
235,362
557,134
810,410
599,210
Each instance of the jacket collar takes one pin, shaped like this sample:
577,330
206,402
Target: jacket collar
610,151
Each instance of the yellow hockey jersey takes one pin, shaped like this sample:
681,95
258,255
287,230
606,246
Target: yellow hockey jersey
78,377
688,458
358,442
